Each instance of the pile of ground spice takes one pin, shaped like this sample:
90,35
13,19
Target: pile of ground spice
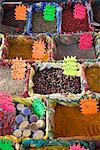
70,24
93,78
96,12
19,47
39,25
65,49
53,80
7,84
70,122
9,18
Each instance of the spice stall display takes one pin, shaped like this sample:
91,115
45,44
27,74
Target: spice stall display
49,75
44,17
27,47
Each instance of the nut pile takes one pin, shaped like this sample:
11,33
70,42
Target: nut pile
53,80
9,18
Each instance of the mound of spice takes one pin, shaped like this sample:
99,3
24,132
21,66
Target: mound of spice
93,78
39,25
76,124
7,84
96,11
9,18
53,80
19,46
70,24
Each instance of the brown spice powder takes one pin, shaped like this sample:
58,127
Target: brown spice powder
19,48
69,122
93,78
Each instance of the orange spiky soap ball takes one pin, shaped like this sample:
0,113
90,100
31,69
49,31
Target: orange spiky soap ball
21,12
89,106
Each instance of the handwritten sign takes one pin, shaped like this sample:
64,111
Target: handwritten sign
88,106
21,12
49,13
79,11
70,66
85,41
18,69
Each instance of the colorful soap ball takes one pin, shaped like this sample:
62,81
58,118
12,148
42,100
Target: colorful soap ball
79,11
7,114
85,41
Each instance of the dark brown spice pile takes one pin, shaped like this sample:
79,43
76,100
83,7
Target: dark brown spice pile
39,25
96,12
9,18
53,80
70,24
